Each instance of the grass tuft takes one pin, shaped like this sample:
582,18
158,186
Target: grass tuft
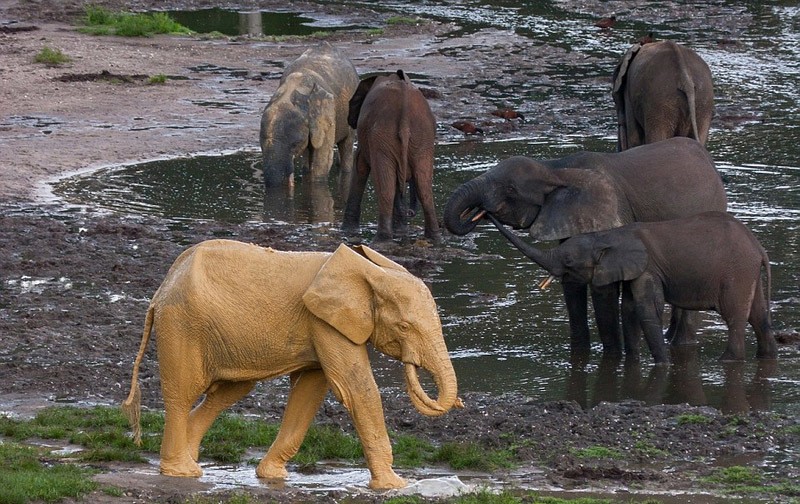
28,474
50,56
101,21
597,452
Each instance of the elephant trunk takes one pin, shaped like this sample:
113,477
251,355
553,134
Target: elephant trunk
445,378
462,206
545,258
277,173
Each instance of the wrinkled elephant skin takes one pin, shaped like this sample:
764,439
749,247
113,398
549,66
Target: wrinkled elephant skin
396,134
229,314
307,117
709,261
591,191
662,90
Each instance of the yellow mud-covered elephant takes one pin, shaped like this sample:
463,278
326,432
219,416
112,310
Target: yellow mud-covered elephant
229,314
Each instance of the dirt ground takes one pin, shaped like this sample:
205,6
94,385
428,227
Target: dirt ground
74,285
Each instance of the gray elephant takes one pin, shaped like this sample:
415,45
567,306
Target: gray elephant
307,116
396,136
709,261
592,191
662,90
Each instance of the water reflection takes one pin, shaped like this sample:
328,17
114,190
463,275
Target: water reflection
257,23
682,382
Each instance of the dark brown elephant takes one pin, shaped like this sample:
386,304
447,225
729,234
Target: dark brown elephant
662,90
709,261
592,191
396,132
307,117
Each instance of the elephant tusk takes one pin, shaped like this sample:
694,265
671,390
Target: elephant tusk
478,216
546,282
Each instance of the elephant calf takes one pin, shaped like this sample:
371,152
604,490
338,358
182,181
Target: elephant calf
709,261
229,314
396,134
307,116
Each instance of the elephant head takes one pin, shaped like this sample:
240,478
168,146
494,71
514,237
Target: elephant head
599,258
298,120
363,89
526,194
368,297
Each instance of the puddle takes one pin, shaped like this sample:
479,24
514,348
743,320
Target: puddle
506,336
257,23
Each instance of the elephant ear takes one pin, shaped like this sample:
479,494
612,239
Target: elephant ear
379,259
618,93
618,257
321,117
358,99
584,201
341,295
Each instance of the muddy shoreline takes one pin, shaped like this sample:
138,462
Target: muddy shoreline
74,284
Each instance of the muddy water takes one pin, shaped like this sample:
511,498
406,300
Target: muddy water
505,335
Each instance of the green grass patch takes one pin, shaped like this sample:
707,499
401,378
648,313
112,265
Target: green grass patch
104,434
693,419
157,79
101,21
50,56
402,20
737,475
24,477
649,450
472,456
596,452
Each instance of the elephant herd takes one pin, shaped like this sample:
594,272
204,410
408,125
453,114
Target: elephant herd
664,99
647,224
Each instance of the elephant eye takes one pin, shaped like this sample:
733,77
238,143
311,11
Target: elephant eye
404,326
511,190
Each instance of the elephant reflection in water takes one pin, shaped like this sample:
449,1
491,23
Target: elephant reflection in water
310,201
229,314
680,383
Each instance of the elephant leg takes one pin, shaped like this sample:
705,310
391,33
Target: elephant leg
423,191
358,183
759,320
576,299
735,348
631,329
182,383
400,215
605,301
218,398
308,389
649,301
383,178
345,148
683,326
350,377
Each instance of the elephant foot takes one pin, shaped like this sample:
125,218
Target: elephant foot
729,355
386,481
271,470
184,468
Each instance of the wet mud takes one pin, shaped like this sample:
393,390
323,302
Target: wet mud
74,287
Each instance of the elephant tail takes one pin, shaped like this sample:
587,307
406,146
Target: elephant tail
687,86
404,134
132,406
